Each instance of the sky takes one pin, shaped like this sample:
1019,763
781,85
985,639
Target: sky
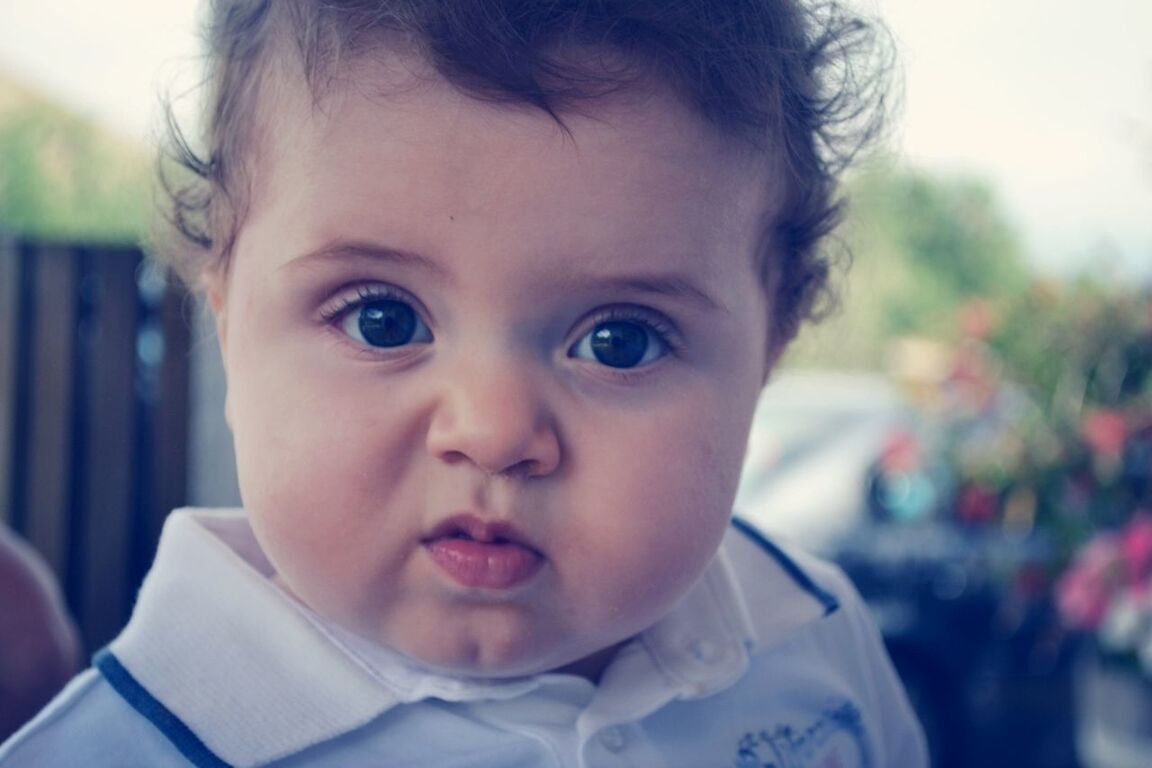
1050,101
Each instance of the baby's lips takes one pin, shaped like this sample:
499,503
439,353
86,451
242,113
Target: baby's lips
491,565
468,525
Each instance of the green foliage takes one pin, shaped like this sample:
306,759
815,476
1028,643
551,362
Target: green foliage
948,233
61,177
922,245
1078,347
1066,391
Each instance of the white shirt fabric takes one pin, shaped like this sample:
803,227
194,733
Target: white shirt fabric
769,660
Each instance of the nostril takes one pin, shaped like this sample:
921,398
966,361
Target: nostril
524,468
506,438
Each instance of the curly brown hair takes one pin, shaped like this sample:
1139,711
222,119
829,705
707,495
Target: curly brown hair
804,80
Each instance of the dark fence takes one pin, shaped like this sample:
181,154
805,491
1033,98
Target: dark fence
94,378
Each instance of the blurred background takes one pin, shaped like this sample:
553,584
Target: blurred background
970,437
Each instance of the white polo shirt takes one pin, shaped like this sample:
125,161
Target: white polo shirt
769,660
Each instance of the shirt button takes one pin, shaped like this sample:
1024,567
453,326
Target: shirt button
613,739
707,651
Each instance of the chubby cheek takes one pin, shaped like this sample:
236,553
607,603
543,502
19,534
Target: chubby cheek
662,503
318,469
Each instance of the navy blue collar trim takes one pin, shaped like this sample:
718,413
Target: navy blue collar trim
160,716
823,596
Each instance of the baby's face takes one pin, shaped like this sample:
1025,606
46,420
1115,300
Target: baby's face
490,383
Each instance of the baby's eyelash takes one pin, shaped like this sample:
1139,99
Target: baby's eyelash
655,321
346,301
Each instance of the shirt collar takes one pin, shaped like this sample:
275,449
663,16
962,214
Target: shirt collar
211,635
753,596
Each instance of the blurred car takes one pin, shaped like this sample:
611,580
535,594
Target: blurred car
814,439
843,466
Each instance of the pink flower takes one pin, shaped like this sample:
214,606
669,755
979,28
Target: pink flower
1136,544
1109,565
1085,592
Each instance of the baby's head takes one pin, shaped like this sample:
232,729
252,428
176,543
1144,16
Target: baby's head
497,286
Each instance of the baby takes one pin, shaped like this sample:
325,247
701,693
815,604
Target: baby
497,285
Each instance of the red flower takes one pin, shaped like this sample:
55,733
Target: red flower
1105,432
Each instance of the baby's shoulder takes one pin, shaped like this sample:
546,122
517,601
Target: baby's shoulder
89,724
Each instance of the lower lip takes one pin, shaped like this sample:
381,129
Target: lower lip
485,565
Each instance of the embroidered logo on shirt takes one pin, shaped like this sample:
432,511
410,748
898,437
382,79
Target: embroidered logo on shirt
834,740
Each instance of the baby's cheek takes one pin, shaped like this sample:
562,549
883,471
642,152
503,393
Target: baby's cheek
645,563
310,566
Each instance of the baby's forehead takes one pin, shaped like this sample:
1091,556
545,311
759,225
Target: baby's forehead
642,129
401,77
397,95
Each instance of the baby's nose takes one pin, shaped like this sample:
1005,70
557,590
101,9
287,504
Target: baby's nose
493,414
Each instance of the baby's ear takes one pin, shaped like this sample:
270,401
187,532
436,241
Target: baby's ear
770,362
775,345
215,286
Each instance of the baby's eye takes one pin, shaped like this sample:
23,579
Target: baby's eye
620,344
384,323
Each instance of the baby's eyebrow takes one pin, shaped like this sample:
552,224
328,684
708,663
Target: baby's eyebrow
358,250
672,285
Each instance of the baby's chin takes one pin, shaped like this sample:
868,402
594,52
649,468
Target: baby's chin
499,652
478,662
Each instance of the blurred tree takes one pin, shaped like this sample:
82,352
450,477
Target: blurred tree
1078,346
62,177
922,245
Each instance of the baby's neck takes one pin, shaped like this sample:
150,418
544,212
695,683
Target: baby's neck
591,667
